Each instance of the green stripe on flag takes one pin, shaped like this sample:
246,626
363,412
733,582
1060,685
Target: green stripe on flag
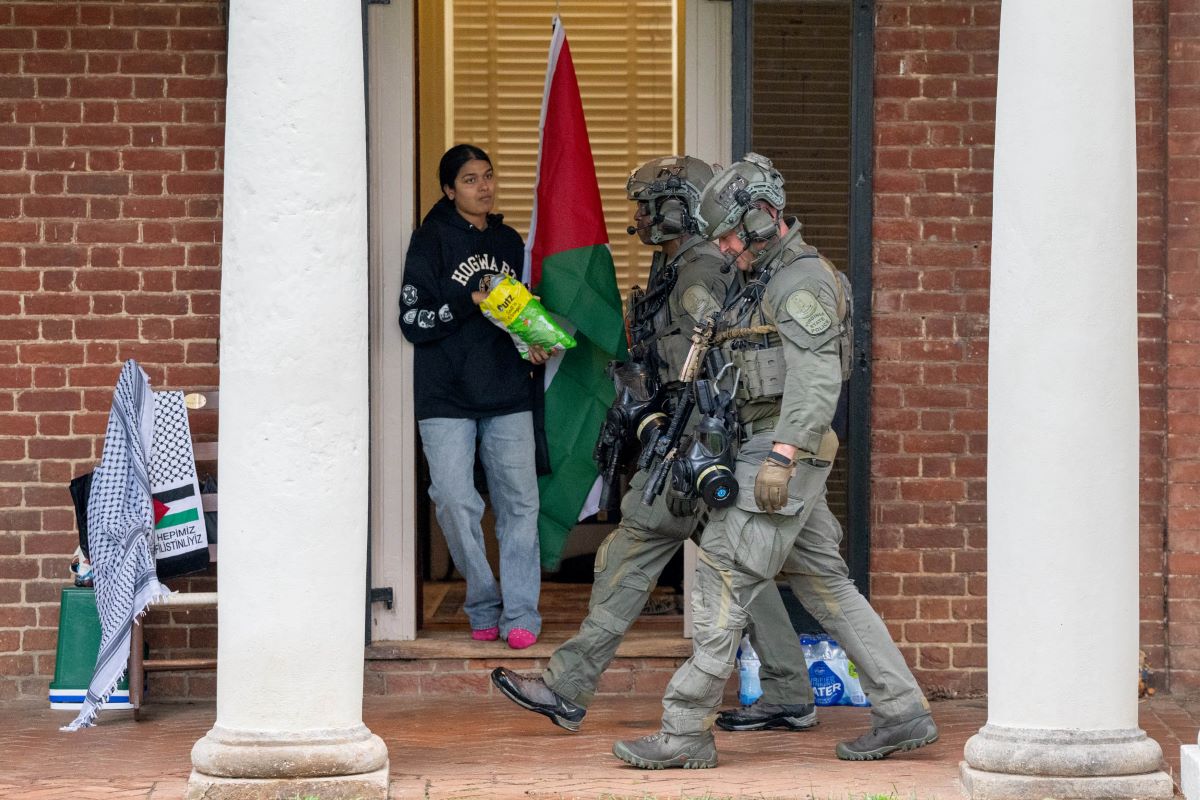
576,402
581,285
171,520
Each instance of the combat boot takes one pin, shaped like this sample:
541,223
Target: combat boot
883,741
766,716
535,695
661,750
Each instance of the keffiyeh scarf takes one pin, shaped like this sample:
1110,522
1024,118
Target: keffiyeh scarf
120,526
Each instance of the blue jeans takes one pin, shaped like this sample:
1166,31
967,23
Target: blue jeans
506,450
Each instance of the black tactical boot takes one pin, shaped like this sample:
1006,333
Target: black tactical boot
535,695
881,742
765,716
662,750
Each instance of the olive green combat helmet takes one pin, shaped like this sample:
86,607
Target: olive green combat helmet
671,186
733,192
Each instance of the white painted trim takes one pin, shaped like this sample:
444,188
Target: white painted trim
708,124
393,156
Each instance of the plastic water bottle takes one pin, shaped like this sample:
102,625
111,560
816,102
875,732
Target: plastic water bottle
808,646
749,687
825,649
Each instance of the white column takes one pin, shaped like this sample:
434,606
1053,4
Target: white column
1063,416
293,452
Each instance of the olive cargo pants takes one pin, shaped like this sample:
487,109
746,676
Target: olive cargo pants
742,549
628,565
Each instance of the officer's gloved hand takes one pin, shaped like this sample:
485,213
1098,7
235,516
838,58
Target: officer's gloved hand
771,483
679,504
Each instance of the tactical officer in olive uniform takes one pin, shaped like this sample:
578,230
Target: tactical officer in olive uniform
688,282
789,336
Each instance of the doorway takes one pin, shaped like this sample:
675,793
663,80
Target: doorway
711,115
481,66
473,70
802,95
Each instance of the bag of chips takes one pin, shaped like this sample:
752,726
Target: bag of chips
511,306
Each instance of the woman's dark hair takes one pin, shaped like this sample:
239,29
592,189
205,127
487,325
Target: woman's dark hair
454,159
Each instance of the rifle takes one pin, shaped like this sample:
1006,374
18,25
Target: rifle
636,381
637,394
666,448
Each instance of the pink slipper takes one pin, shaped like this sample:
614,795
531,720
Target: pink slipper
519,638
485,634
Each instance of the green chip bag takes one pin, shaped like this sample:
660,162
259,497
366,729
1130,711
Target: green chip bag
511,306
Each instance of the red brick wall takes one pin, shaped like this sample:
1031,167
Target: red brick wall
1149,28
935,107
111,128
1183,333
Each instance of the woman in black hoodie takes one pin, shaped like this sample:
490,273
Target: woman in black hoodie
470,385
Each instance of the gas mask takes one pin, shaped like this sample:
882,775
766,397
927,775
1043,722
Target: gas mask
636,395
705,466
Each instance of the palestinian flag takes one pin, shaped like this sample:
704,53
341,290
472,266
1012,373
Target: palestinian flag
569,265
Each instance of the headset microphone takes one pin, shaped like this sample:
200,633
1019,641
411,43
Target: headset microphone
657,218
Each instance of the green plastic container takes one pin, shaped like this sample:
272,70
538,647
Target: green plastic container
78,644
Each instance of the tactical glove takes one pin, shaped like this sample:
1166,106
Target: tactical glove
771,483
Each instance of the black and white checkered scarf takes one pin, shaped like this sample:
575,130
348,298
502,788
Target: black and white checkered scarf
120,526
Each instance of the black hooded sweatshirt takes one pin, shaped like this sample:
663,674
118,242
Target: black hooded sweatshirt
465,366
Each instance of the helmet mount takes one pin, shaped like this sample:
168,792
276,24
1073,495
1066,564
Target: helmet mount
670,187
736,197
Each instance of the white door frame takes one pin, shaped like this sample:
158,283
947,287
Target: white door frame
392,165
392,140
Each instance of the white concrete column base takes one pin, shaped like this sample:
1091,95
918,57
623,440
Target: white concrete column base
1004,763
230,758
367,786
1067,753
980,785
1189,771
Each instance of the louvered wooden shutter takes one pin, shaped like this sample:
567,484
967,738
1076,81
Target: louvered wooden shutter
626,58
801,115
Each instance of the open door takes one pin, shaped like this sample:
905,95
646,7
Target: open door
803,97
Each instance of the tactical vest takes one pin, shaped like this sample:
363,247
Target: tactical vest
671,340
759,356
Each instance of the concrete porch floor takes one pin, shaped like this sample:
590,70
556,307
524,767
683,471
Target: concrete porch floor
485,747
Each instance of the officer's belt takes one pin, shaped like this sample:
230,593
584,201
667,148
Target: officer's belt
765,424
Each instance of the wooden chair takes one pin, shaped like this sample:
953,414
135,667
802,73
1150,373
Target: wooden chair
205,452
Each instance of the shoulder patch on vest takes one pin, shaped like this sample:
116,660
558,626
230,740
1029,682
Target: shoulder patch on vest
698,302
804,307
